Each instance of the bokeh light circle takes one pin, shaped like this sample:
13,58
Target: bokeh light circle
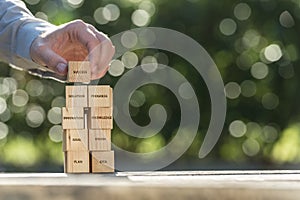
228,26
140,18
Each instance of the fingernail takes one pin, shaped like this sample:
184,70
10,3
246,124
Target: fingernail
61,67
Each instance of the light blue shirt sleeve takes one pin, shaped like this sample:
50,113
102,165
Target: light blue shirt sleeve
18,29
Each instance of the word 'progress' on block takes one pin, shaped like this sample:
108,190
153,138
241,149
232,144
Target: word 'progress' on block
87,121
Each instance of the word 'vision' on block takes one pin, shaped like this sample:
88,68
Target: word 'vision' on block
100,140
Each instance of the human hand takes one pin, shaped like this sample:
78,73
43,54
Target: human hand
73,41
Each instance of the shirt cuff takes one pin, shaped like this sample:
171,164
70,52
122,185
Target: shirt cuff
28,31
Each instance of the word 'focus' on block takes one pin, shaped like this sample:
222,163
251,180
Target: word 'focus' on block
75,140
73,118
102,161
76,96
100,96
79,72
77,162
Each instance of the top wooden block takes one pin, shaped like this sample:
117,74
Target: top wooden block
79,72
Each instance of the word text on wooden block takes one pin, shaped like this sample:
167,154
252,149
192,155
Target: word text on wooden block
77,162
100,140
75,140
79,72
100,96
73,118
76,96
102,161
100,118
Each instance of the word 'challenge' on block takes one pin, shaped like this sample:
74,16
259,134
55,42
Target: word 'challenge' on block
87,121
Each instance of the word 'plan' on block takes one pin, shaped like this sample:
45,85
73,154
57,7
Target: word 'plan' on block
77,162
79,72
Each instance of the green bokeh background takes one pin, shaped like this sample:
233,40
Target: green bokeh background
254,43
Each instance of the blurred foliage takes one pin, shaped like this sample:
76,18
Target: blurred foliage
255,44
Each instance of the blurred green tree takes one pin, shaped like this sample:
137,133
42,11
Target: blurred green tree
254,43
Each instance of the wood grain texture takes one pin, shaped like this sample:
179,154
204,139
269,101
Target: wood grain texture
72,118
76,96
79,72
100,140
175,185
100,118
100,96
102,162
77,162
75,140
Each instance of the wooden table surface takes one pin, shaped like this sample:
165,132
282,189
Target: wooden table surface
221,185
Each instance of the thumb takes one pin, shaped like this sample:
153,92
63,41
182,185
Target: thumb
54,61
47,57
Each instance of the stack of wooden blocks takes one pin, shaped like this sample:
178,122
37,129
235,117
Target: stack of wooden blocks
87,123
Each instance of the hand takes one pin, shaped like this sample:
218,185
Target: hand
74,41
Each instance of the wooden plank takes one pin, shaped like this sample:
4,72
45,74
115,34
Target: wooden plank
102,162
76,96
177,185
72,118
100,96
100,140
100,118
77,162
75,140
79,72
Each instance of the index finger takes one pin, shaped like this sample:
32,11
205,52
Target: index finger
101,55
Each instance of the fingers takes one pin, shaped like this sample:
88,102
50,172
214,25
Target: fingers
54,61
101,55
73,41
100,74
99,46
42,54
86,36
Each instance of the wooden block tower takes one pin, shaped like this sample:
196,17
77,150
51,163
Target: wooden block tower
87,122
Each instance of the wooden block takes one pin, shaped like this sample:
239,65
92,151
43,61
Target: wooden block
100,96
77,162
76,96
100,118
75,140
102,162
73,118
79,72
100,140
